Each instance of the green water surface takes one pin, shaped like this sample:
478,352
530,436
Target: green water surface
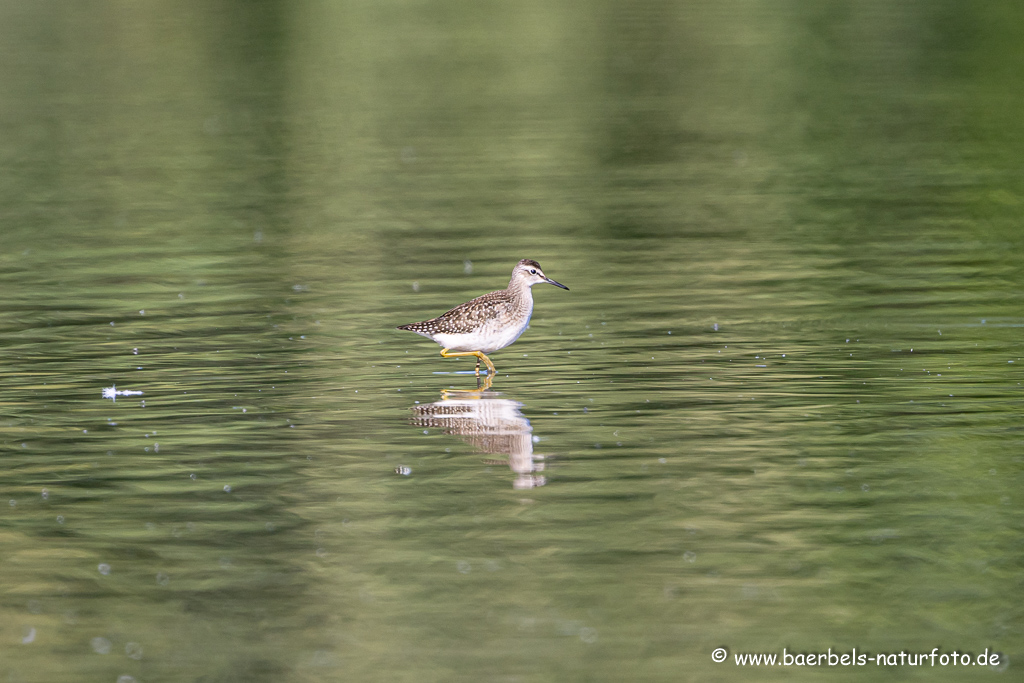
780,406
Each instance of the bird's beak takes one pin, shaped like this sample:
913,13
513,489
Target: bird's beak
556,284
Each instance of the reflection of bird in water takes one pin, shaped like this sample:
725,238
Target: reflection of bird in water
488,424
489,322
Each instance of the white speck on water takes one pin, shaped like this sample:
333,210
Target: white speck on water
29,636
125,678
463,567
100,646
227,488
111,323
467,267
112,392
12,503
715,327
142,311
162,579
403,470
46,494
103,568
60,519
690,556
415,286
588,635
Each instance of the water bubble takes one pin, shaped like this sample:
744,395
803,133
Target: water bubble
100,646
60,519
103,568
690,556
133,650
162,579
463,567
30,635
12,503
46,494
227,488
467,267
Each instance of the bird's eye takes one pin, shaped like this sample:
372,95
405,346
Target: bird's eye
533,271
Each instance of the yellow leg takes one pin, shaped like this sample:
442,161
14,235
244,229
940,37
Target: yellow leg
479,356
481,389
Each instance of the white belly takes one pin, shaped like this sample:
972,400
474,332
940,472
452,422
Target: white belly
487,339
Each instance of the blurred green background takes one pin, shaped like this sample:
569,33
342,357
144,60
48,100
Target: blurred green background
779,407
